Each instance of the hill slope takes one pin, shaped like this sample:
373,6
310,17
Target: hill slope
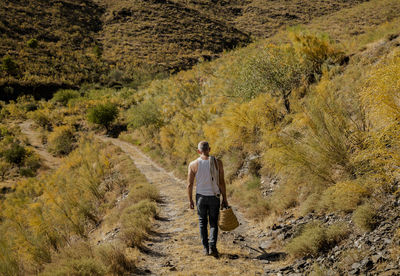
64,31
263,18
84,41
162,34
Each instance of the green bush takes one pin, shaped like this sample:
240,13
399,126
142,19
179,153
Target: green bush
103,114
63,96
32,43
10,66
365,217
15,154
41,118
315,238
27,172
62,140
144,115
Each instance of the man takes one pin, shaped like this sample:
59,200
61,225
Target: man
209,187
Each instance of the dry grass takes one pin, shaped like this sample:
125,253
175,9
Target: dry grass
261,19
246,192
360,19
315,238
365,217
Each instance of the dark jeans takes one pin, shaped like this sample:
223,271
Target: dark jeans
208,210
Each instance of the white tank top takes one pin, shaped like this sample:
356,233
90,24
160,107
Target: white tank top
204,185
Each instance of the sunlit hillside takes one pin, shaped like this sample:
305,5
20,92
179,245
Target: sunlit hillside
305,119
48,45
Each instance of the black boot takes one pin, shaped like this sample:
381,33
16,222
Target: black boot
214,252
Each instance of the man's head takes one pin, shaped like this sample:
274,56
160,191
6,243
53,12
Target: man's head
203,148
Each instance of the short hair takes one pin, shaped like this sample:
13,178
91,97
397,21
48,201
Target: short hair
203,146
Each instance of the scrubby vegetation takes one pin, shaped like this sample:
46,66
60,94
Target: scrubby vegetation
47,220
304,121
103,114
61,141
16,157
297,111
365,217
315,238
47,46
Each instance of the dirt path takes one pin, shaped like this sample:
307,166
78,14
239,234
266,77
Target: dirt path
175,248
34,139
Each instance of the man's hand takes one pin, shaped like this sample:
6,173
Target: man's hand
225,202
191,204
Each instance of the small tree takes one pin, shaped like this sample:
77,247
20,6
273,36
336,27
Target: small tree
10,66
103,114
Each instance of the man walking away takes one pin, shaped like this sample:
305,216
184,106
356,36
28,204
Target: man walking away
210,184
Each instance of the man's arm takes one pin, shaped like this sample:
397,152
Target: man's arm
190,179
222,185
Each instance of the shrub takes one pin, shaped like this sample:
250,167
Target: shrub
32,43
284,197
27,172
62,140
15,154
144,115
142,191
343,196
4,169
9,265
116,261
318,51
32,161
63,96
247,193
10,66
365,217
315,238
309,242
336,233
30,106
103,114
41,118
136,221
97,51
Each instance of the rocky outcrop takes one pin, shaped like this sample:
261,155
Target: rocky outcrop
372,253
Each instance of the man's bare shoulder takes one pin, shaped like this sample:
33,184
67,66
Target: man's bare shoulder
193,165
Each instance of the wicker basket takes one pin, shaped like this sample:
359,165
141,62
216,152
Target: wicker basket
227,219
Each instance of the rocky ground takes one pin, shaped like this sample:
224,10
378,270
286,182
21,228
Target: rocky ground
372,253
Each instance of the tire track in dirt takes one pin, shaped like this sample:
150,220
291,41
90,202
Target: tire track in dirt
174,247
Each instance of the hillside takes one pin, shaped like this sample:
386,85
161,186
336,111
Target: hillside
163,35
48,45
305,121
61,54
264,18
